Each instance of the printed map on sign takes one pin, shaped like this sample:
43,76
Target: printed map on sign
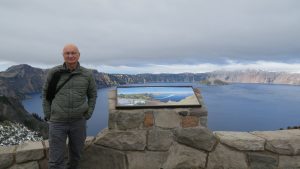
156,96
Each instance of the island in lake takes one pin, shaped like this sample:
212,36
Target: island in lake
213,82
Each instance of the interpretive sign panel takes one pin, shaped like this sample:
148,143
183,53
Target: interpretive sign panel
156,96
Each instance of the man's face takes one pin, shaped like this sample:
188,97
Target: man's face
71,54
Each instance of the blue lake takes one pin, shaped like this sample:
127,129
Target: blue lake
234,107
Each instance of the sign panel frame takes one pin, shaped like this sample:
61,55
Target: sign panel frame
134,97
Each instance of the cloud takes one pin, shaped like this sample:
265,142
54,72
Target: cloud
230,65
202,68
137,33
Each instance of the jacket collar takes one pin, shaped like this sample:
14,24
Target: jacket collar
77,69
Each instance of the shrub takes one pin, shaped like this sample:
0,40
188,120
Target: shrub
36,116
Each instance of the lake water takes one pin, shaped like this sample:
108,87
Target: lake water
234,107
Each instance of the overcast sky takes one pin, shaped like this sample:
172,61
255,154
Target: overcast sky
155,36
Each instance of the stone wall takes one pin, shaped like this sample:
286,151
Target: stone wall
155,149
169,138
194,148
29,155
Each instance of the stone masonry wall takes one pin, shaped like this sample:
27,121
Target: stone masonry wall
29,155
231,150
169,138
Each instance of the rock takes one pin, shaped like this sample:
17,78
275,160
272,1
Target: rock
289,162
46,143
255,76
88,141
43,163
126,119
183,113
203,121
29,165
198,137
295,132
189,121
198,111
101,157
146,160
282,141
148,119
112,104
167,118
223,157
130,119
262,161
122,140
112,118
159,140
112,94
6,156
241,140
197,90
19,125
29,151
183,157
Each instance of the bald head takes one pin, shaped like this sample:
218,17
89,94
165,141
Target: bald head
71,46
71,54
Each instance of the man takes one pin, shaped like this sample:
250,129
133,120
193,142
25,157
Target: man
74,93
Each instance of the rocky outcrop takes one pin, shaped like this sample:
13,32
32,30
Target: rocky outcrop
214,82
256,76
16,133
13,110
21,79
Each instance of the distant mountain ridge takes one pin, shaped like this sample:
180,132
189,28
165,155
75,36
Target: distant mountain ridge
19,80
256,76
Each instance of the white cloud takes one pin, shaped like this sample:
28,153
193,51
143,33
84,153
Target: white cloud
230,65
5,64
204,67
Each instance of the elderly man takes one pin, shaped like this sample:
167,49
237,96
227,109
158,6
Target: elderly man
69,97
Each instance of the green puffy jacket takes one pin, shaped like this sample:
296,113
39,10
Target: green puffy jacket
75,100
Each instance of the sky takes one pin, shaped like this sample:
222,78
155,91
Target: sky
153,36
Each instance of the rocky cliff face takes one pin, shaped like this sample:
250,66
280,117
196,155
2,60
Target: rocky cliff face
253,76
11,109
19,80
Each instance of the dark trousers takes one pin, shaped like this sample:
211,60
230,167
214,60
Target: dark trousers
58,133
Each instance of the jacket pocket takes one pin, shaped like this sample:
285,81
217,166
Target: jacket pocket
82,109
